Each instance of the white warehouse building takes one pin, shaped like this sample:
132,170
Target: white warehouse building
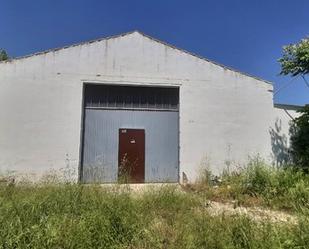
131,104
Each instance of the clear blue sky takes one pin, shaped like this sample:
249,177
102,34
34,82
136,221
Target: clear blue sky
244,34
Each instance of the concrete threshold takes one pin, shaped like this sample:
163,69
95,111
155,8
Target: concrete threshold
140,187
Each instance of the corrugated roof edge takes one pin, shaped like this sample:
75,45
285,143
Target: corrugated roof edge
68,46
205,59
145,35
287,106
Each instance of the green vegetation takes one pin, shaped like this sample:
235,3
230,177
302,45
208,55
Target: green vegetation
300,139
260,185
295,58
295,62
3,55
63,215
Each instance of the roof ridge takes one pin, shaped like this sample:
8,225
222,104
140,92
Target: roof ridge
145,35
69,46
203,58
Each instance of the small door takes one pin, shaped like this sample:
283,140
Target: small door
131,155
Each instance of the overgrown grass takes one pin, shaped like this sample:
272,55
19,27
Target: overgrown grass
260,184
79,216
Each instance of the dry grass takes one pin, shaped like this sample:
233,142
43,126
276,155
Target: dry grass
79,216
63,215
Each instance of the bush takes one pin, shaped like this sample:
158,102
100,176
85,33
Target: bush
261,184
300,139
280,188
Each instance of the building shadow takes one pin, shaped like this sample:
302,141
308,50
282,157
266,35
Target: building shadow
280,145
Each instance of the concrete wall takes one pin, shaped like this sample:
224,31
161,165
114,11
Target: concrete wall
280,132
224,115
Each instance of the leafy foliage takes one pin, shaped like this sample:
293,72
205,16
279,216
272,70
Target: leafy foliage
263,185
300,139
3,55
295,59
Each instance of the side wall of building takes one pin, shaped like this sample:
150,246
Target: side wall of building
224,115
280,132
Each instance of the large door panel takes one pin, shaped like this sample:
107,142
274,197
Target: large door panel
150,116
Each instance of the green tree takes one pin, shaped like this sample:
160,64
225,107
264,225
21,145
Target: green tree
295,62
3,55
300,139
295,59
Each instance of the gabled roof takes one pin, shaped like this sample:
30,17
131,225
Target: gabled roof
147,36
69,46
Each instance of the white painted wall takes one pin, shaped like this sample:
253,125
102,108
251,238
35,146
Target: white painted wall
280,132
224,115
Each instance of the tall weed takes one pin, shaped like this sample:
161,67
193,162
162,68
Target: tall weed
258,183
